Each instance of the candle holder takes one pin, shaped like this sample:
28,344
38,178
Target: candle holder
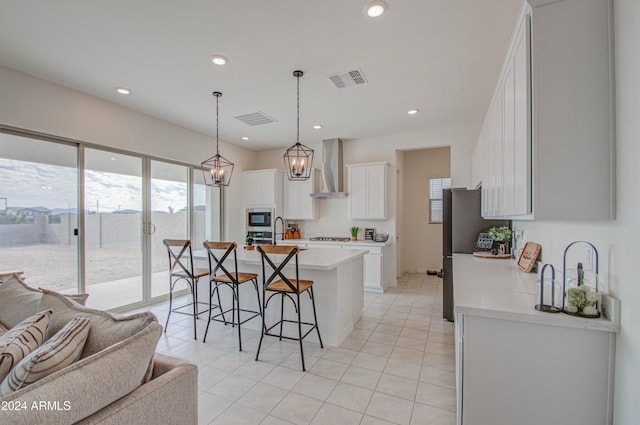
549,300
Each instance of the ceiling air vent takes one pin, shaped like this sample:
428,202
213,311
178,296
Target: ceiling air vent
348,78
255,118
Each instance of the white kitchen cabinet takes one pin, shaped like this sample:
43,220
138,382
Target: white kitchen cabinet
374,271
263,188
367,189
549,127
298,205
511,372
376,261
517,365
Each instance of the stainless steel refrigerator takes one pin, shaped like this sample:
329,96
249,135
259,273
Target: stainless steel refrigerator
462,222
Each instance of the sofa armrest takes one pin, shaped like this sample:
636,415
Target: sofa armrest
171,397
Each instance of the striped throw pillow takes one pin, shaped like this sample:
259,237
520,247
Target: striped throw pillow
60,351
3,329
22,339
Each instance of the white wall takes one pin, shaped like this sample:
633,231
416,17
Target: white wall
37,105
617,241
422,242
333,211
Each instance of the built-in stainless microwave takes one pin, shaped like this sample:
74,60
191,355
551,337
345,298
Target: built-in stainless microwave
260,219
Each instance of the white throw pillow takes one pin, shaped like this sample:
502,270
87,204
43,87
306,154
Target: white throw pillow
22,339
60,351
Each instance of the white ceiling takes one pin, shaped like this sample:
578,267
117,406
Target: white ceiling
440,56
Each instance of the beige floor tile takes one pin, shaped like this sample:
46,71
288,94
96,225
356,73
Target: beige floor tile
442,349
353,344
407,355
297,409
393,330
411,343
433,375
255,370
437,396
329,369
383,337
370,361
424,414
315,386
390,408
416,334
330,414
378,349
272,420
283,377
439,361
208,376
339,355
403,368
262,397
365,324
232,387
397,386
370,420
210,406
350,397
361,377
239,415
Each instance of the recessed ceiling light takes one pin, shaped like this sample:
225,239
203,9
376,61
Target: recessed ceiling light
317,127
123,90
245,138
219,59
375,9
412,111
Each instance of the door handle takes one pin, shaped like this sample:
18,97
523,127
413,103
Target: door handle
152,228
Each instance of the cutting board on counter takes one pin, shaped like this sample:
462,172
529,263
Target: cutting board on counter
528,256
490,255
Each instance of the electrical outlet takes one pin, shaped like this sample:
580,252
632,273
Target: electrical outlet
519,234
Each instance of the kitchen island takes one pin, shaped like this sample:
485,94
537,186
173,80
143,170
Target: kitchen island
516,365
338,289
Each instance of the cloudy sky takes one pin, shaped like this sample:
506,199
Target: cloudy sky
27,184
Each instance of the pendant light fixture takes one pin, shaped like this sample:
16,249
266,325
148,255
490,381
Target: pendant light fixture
298,159
217,170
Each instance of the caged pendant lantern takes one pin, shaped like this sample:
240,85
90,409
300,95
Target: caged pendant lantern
217,170
298,159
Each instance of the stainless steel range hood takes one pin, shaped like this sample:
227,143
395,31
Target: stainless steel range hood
331,170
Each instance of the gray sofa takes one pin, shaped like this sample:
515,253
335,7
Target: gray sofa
119,378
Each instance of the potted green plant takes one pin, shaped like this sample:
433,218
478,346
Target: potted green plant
354,233
502,235
249,242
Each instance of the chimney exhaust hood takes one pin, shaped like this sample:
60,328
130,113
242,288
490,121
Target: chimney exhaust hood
331,170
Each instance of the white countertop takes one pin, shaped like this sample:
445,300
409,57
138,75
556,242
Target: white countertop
310,258
345,243
496,288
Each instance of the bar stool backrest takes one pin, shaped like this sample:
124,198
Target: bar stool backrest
216,263
178,250
290,252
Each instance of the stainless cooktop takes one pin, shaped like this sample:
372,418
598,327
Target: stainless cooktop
330,238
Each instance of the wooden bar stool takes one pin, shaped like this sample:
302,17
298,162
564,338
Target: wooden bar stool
181,269
286,288
232,280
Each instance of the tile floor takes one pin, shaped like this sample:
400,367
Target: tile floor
396,367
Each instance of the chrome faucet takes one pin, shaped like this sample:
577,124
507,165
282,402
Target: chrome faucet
275,228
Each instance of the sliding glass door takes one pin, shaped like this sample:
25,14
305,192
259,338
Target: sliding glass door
169,218
129,204
113,196
38,211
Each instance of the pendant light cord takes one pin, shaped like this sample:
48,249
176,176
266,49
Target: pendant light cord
217,124
298,111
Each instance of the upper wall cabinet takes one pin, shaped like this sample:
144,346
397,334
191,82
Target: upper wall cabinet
367,191
546,149
298,205
263,188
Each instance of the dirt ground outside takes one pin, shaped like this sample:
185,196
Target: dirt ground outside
55,266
